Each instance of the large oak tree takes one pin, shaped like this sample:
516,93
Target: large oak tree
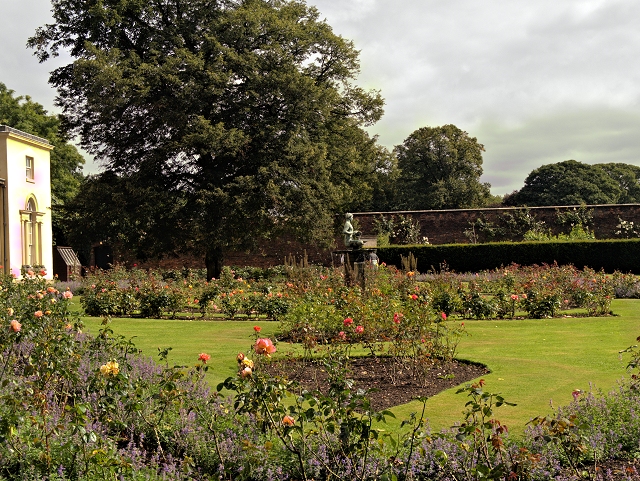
244,110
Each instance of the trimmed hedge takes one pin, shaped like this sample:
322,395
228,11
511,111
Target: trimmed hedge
611,255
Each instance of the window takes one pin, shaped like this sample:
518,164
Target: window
31,234
29,165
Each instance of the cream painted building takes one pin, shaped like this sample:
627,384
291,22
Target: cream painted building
25,191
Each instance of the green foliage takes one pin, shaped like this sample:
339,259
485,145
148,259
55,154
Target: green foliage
627,177
627,229
340,420
440,168
522,224
237,110
400,231
482,436
314,302
578,232
569,436
480,230
123,212
477,305
409,263
87,408
513,226
566,183
155,294
610,255
393,307
581,216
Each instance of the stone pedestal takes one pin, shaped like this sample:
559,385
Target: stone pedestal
355,261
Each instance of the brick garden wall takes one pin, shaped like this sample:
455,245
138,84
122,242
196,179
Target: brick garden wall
270,254
448,226
440,226
274,252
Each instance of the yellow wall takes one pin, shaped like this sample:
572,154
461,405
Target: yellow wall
14,148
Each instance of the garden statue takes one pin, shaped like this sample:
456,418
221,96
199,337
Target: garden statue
351,237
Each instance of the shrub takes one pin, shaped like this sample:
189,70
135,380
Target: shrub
401,231
611,255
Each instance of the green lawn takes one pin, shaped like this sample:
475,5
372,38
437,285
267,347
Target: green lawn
533,362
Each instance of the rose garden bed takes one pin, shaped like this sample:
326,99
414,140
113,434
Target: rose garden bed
90,407
387,385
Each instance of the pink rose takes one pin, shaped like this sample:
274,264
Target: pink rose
67,294
38,314
359,329
348,321
264,346
15,326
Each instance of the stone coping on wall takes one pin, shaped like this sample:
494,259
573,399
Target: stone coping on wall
483,209
446,226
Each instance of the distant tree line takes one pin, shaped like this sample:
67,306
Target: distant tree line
574,183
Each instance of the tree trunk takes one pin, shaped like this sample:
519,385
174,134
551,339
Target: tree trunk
213,261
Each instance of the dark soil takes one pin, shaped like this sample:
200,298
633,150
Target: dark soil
392,384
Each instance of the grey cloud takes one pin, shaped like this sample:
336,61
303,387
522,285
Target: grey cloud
19,69
591,136
498,57
536,82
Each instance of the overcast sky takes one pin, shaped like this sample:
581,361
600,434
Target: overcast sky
536,82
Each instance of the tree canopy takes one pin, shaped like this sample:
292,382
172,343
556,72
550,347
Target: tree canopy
440,168
627,177
572,183
243,110
126,213
22,113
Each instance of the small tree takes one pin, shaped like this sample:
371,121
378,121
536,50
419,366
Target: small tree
440,168
400,231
